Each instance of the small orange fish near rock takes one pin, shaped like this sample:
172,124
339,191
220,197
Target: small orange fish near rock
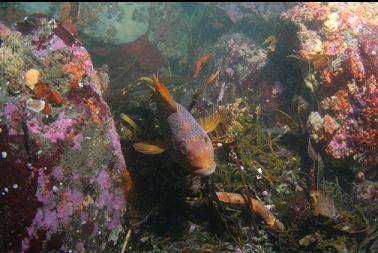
198,65
213,77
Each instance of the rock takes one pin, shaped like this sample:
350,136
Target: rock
62,186
113,23
339,42
241,62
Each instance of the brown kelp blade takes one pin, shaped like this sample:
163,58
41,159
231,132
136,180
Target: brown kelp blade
257,207
311,151
289,121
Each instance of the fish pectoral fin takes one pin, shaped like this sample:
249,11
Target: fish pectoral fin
150,147
210,122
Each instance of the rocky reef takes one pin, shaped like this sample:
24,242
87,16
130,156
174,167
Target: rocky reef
293,90
64,177
338,40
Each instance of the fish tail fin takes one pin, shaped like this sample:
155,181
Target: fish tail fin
164,93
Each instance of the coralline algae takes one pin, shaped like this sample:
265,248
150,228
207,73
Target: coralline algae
53,202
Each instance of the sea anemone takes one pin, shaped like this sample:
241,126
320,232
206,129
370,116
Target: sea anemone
35,105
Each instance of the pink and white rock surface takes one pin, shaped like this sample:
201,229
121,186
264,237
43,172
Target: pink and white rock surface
63,175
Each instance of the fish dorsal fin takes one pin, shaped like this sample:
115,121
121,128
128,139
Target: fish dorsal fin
210,122
150,147
164,93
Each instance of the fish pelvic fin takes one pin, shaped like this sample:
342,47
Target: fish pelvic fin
210,122
164,93
129,120
150,147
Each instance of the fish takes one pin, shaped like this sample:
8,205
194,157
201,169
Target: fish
198,65
272,42
129,120
184,138
212,77
131,123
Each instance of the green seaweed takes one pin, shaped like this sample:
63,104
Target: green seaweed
12,55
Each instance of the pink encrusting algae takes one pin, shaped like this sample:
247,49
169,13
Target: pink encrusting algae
59,161
344,37
59,129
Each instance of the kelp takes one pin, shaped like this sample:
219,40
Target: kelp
253,150
256,149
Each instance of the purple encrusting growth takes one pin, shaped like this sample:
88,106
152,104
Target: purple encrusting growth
114,138
39,53
56,43
113,202
88,67
59,129
84,217
9,109
75,197
79,246
25,244
72,190
78,138
33,126
56,211
103,180
114,221
58,173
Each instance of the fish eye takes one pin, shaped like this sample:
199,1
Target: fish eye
183,148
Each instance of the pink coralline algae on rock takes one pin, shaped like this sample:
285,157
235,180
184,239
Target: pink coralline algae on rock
339,41
61,188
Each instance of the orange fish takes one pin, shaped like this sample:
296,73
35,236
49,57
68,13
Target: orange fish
197,67
212,77
185,139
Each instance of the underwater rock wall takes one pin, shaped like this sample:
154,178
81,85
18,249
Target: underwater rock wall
339,43
241,60
63,176
114,22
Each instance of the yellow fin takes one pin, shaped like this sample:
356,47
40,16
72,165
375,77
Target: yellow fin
210,122
213,77
164,93
150,147
145,79
272,42
129,120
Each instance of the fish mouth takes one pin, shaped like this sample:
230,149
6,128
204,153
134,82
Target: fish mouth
207,171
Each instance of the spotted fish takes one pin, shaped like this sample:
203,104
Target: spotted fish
184,138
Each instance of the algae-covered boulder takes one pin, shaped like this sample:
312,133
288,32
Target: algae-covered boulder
63,176
241,61
338,41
